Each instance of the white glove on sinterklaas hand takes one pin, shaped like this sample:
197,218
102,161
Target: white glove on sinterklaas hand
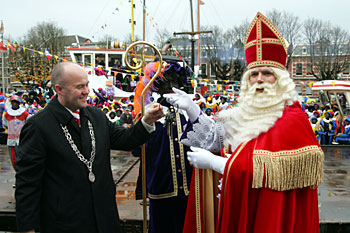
183,101
203,159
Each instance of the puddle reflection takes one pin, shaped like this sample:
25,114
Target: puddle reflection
337,171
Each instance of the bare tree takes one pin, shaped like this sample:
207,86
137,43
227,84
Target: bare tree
226,51
128,38
105,41
162,36
289,26
30,68
45,35
328,48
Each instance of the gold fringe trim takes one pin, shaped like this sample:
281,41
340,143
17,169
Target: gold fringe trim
291,169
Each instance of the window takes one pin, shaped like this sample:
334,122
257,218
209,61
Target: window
308,69
87,60
298,89
114,60
78,57
100,59
212,70
203,69
346,69
304,50
299,70
308,90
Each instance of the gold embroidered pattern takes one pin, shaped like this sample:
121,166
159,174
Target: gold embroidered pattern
197,200
173,166
229,167
182,154
289,169
263,41
223,191
258,41
251,26
273,28
173,170
266,63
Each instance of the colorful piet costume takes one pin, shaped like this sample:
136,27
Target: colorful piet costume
344,137
168,173
315,127
270,180
13,120
327,129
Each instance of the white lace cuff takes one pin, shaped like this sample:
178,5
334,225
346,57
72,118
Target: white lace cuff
204,133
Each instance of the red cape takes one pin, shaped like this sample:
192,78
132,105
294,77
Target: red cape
282,164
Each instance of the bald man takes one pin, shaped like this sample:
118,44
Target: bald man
64,181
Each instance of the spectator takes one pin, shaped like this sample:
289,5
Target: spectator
13,120
126,118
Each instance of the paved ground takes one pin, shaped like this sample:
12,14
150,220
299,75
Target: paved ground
334,193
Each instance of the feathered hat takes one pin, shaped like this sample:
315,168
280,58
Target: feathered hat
149,71
16,98
264,45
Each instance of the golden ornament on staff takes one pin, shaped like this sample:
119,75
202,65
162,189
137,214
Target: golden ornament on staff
143,155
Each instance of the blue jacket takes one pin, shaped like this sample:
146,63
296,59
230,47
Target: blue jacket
167,168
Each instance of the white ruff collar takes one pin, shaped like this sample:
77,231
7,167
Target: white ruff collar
17,112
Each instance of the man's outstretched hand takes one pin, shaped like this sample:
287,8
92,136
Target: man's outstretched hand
154,113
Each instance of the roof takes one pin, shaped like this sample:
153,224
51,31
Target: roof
69,40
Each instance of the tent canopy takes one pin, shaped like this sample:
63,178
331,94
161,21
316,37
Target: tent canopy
96,82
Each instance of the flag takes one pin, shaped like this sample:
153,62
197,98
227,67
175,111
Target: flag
2,47
11,47
2,27
201,2
47,54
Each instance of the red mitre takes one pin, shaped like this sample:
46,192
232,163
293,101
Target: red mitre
264,44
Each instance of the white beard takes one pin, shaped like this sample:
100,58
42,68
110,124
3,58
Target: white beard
261,100
256,112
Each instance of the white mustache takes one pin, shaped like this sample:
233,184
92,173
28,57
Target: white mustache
268,87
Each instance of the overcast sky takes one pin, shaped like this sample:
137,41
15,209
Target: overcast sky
86,17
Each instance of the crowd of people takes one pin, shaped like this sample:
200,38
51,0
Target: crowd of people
212,104
328,124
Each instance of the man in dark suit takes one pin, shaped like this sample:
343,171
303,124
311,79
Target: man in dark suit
126,118
64,181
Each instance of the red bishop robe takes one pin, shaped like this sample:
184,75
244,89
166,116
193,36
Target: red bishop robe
270,183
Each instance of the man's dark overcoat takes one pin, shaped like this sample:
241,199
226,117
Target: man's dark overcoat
52,186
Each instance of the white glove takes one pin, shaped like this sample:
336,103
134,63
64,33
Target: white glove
183,101
203,159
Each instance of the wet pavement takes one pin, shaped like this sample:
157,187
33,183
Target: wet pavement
334,193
